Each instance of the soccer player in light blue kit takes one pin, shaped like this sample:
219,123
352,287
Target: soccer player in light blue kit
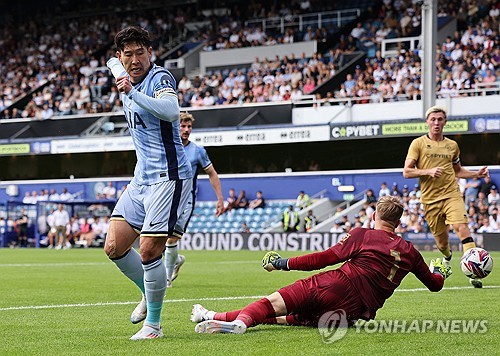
198,157
157,195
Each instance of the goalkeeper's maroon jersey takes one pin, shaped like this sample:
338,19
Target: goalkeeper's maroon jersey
377,261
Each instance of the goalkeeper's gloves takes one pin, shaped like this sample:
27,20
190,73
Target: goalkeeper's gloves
437,266
272,261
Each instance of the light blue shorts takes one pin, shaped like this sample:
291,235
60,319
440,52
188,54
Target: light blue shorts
188,212
154,210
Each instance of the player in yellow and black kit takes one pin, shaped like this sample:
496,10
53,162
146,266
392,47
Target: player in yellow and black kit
435,160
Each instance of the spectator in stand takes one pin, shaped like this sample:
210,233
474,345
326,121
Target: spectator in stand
494,219
472,189
303,200
242,201
109,191
87,236
65,195
415,224
337,227
61,220
230,200
258,202
22,229
395,191
486,185
53,195
384,190
485,226
370,198
244,228
27,199
493,197
290,220
310,221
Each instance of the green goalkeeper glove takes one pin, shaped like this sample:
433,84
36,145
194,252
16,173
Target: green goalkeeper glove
437,266
272,261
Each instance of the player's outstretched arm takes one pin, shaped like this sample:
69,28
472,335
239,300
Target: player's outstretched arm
433,276
410,171
215,182
310,262
273,261
437,266
462,172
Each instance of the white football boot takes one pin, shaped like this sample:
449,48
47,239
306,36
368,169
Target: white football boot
180,261
148,332
199,313
140,312
216,326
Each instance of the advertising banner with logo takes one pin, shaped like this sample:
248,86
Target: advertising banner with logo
354,131
420,128
284,241
489,124
14,149
258,241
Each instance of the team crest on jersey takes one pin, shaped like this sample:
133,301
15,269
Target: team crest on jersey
344,239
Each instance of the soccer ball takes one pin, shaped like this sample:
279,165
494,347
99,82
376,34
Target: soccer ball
476,263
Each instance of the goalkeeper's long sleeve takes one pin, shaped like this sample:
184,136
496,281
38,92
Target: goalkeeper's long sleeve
313,261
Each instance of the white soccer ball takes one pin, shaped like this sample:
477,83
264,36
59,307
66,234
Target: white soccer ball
476,263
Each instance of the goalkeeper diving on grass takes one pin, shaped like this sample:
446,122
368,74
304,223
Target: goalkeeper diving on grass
376,261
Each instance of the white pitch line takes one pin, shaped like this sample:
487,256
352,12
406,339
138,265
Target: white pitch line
111,264
101,304
53,264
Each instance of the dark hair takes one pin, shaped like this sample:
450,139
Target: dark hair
132,34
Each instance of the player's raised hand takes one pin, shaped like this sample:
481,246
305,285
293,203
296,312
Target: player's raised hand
437,266
273,261
483,172
219,208
436,172
123,84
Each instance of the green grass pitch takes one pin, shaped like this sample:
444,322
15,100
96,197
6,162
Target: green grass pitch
76,302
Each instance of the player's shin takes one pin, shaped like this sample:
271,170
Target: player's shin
171,255
468,243
155,284
131,266
256,312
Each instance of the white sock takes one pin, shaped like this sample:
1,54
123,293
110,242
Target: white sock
171,255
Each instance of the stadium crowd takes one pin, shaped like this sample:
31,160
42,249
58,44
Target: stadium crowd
481,198
66,58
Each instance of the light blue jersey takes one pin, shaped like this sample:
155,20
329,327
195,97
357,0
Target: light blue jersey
158,146
198,157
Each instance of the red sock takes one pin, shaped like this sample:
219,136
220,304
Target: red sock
227,316
256,312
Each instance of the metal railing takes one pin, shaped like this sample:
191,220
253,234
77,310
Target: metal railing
391,47
481,89
317,19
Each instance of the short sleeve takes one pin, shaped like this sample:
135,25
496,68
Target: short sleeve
203,158
413,151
